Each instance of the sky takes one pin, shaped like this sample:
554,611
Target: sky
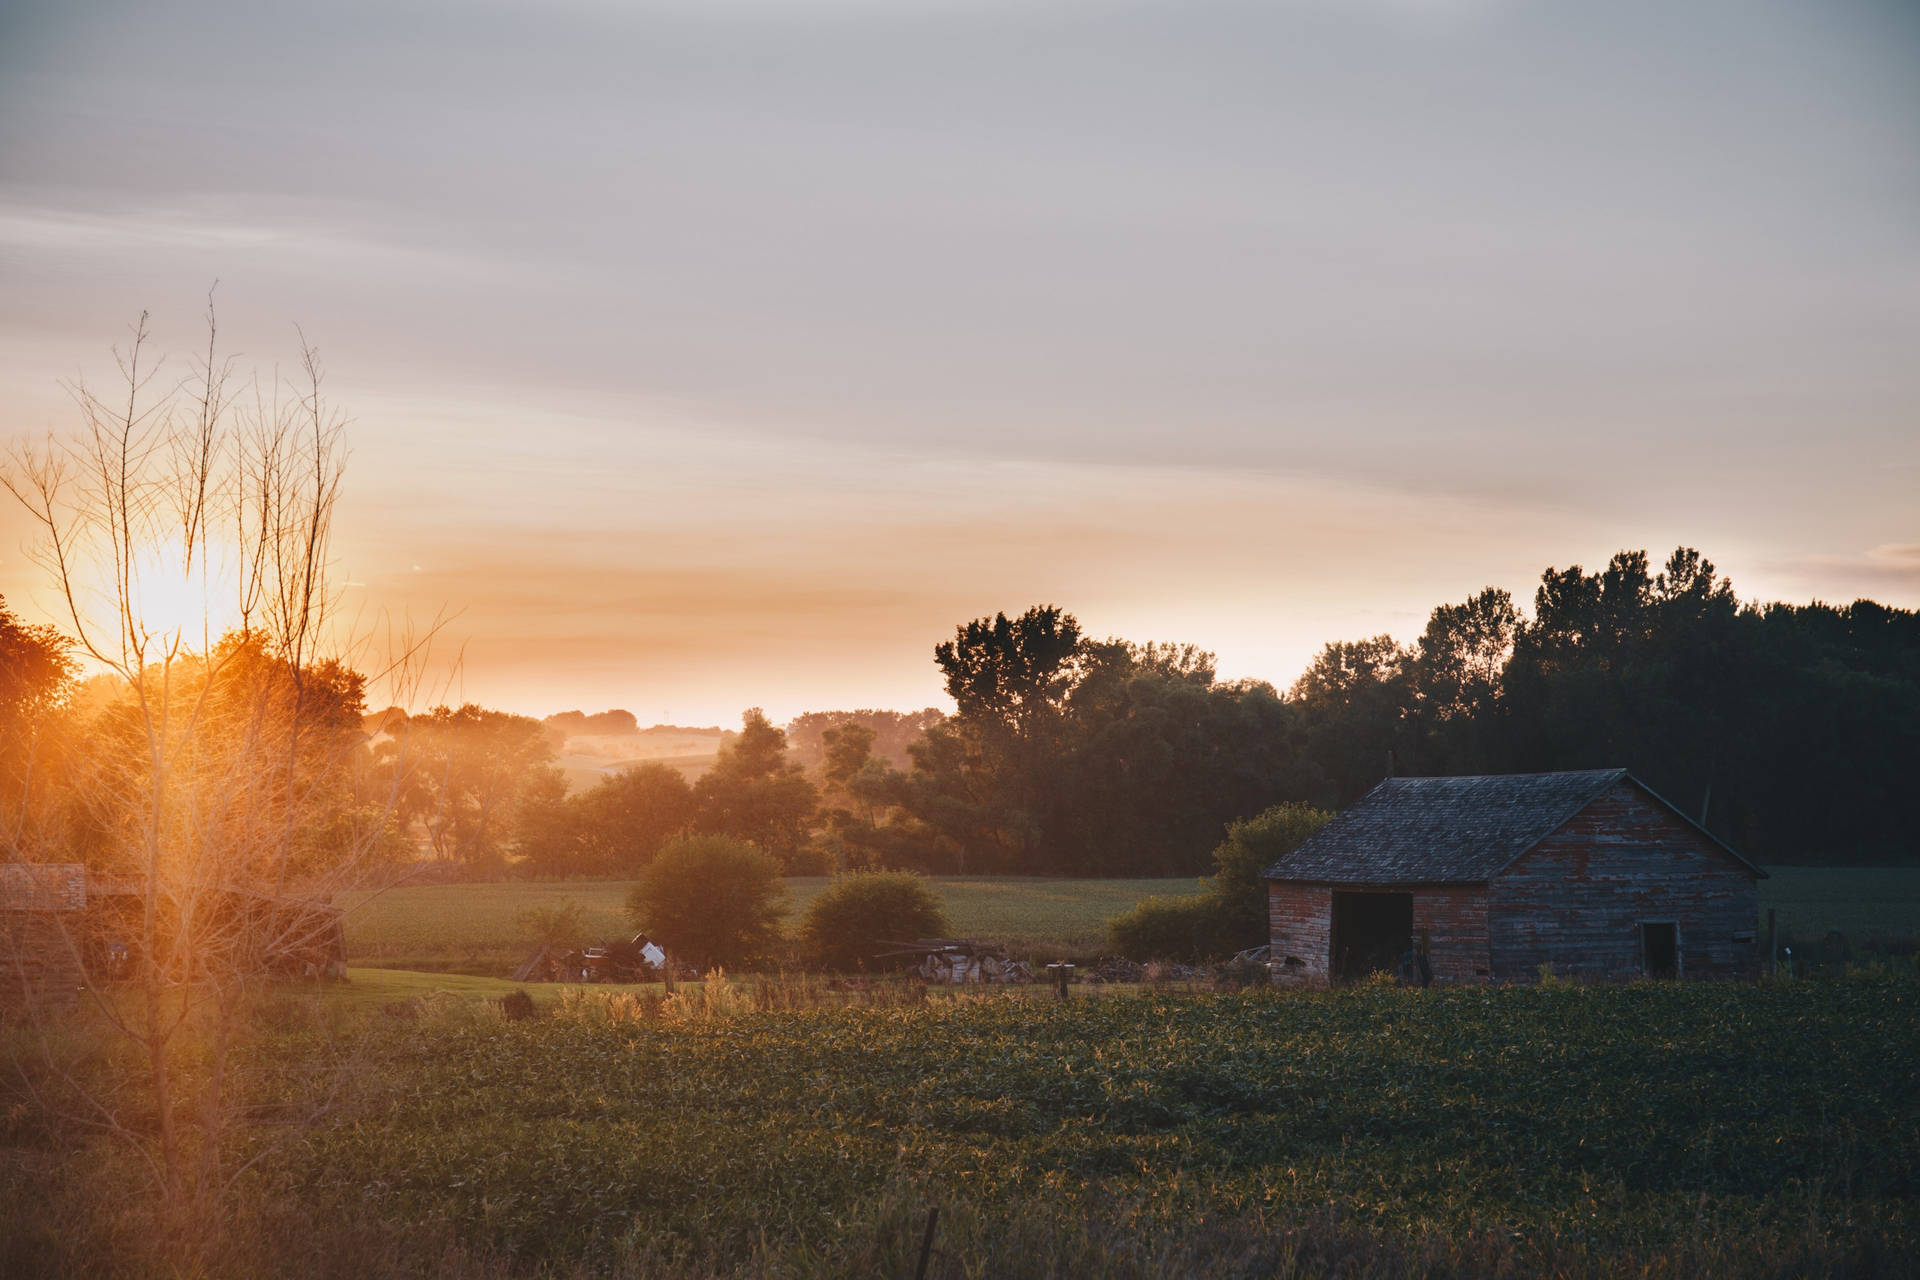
707,355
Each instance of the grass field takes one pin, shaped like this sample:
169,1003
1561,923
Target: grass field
1861,902
1653,1129
474,928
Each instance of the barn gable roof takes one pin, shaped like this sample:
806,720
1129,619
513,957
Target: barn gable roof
1453,830
43,886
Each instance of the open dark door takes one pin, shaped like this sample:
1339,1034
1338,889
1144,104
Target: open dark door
1371,931
1660,949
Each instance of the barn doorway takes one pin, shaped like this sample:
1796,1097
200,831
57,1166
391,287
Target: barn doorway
1660,948
1371,931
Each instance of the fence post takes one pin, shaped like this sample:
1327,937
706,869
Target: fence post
1773,942
926,1244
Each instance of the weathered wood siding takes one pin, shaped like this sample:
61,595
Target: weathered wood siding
1454,918
1300,927
1576,900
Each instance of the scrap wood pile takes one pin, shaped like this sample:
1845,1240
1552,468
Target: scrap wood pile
1113,969
960,960
638,959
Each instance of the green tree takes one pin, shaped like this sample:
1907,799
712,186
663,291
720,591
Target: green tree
628,818
849,747
893,732
754,793
988,778
1353,702
469,772
1014,671
1241,860
36,678
851,919
713,900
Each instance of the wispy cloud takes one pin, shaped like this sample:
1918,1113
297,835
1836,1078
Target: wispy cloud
1890,567
227,231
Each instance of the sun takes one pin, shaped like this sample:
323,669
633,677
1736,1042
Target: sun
177,599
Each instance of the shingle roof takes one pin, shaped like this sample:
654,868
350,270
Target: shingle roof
43,886
1448,830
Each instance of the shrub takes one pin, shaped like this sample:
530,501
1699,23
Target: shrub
1183,929
857,911
711,900
517,1006
1241,861
1232,914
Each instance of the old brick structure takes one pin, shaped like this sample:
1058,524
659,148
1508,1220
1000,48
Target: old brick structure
61,924
1492,878
41,908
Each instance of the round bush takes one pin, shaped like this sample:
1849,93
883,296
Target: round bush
711,900
1186,930
857,914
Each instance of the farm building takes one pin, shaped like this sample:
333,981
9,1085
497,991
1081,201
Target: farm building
41,905
60,922
1491,878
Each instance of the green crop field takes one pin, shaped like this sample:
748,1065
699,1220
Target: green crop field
475,928
1651,1129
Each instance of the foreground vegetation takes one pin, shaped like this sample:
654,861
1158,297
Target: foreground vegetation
1675,1129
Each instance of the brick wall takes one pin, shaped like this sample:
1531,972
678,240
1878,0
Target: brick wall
39,964
1299,921
1300,924
1576,900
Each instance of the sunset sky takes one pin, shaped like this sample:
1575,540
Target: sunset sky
710,354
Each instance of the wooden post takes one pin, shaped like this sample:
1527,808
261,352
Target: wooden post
1773,941
926,1244
1061,974
666,968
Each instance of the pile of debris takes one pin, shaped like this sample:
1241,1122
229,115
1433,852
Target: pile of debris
956,961
639,959
1249,968
1113,969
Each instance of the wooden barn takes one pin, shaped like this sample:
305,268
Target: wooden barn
60,924
1492,878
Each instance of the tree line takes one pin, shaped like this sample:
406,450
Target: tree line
1793,732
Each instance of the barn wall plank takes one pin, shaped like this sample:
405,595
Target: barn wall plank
1576,900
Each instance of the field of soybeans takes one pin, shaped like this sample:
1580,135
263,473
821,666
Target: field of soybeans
1649,1129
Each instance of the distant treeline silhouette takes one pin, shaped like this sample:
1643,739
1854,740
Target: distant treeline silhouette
1792,731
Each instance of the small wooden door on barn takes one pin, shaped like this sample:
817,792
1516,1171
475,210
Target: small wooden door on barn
1660,948
1371,931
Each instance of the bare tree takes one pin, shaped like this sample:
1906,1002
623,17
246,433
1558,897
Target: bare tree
184,526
